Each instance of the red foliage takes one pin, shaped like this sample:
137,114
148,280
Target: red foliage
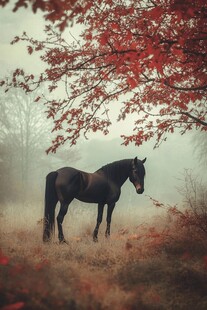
186,256
185,218
15,306
4,260
154,53
42,265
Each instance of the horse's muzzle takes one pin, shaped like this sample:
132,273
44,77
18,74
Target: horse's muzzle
139,189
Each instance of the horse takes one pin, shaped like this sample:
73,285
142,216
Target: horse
102,187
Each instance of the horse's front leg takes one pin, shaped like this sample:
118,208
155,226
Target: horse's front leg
108,219
99,220
60,218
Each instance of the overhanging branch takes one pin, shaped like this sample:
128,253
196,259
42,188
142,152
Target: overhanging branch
202,87
198,120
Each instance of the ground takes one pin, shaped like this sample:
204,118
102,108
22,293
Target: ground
156,264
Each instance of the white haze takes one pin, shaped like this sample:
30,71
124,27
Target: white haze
164,166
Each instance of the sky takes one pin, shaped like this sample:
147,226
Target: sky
165,163
13,24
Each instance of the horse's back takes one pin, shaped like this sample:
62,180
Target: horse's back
84,186
66,173
87,187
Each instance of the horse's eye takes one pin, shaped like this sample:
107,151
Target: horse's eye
135,171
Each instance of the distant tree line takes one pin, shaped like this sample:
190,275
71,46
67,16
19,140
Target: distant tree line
25,135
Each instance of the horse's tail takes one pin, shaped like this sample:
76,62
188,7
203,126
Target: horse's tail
51,200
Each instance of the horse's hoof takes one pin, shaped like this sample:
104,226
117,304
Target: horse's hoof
95,239
63,242
46,239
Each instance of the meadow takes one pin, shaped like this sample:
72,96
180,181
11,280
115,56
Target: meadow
157,262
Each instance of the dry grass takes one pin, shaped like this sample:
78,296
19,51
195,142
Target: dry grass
153,265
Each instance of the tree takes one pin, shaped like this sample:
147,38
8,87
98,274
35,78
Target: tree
24,136
149,56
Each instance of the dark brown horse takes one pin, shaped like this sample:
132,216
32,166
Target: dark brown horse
101,187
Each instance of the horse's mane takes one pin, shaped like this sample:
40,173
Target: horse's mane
117,171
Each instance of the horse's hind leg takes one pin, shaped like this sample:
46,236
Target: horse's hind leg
60,218
99,220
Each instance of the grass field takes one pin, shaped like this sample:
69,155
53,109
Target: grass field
156,264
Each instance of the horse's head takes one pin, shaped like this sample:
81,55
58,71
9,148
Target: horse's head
137,174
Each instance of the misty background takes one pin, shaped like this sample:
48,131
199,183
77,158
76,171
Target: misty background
26,134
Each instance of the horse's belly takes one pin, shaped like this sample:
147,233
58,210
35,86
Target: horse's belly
88,199
92,195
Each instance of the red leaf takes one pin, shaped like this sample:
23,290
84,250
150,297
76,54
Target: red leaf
156,12
190,12
128,246
30,49
4,260
16,306
37,99
41,265
88,36
132,82
104,38
115,26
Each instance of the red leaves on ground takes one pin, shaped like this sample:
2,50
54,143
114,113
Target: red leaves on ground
15,306
4,260
42,264
16,270
186,256
128,246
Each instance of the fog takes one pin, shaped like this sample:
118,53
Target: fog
155,259
164,166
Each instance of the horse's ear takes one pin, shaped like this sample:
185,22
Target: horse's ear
135,160
143,161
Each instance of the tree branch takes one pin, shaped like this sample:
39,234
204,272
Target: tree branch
202,87
198,120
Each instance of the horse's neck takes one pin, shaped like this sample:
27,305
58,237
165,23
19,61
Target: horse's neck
118,172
